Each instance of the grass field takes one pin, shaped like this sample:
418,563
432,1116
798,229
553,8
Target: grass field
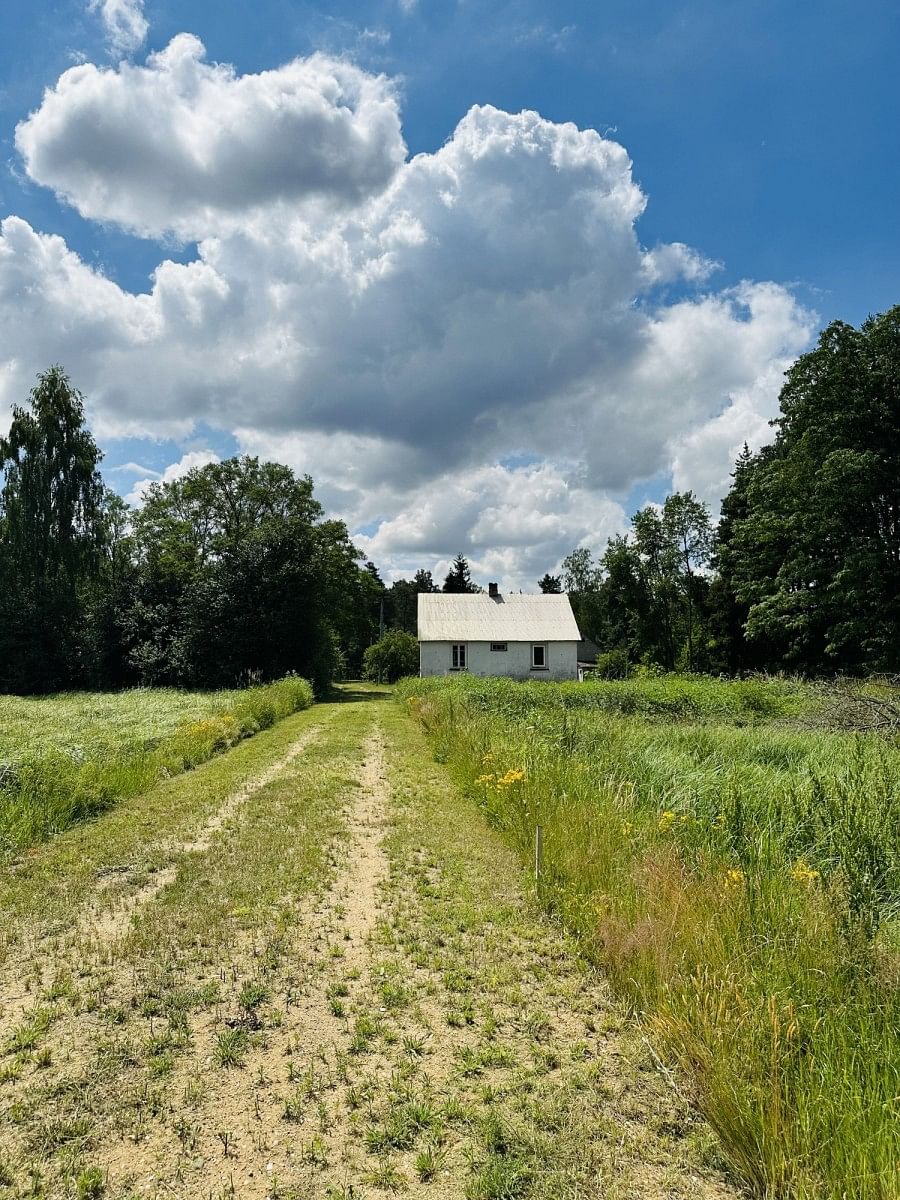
66,757
737,876
310,968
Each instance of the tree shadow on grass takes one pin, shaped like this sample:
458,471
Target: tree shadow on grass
355,690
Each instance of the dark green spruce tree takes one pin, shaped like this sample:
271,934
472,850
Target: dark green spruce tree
458,578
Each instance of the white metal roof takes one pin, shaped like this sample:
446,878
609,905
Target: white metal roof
511,617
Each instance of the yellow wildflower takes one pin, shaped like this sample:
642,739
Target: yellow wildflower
802,872
666,821
733,876
484,779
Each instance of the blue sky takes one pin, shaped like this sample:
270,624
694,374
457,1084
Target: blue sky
762,135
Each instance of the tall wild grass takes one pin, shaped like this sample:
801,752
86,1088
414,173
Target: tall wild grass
739,880
64,758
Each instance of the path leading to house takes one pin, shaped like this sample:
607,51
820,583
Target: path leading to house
309,969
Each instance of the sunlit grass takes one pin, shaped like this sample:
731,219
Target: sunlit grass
740,883
67,757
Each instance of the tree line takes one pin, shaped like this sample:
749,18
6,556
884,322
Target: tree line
802,572
234,572
228,574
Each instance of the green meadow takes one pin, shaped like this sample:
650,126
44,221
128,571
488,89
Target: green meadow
67,757
734,866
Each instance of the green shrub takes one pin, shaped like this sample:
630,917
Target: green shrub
613,664
395,655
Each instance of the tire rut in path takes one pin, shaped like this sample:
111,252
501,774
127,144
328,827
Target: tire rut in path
266,1147
106,927
367,864
99,927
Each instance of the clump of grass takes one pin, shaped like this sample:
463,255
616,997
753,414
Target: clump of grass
231,1046
739,880
429,1161
65,758
253,993
90,1184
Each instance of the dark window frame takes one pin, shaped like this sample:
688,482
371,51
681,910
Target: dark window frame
545,656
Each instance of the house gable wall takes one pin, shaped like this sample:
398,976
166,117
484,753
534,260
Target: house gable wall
514,662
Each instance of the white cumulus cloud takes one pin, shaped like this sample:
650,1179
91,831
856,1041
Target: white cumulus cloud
183,147
176,470
433,318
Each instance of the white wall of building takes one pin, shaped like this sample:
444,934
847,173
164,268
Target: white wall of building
515,661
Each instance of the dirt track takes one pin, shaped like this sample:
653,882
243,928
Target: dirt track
333,983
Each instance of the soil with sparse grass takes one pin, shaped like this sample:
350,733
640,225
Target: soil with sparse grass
310,969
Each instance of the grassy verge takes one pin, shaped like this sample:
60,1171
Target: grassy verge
65,758
662,697
523,1078
107,860
740,886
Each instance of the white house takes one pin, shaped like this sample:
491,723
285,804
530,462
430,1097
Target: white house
489,633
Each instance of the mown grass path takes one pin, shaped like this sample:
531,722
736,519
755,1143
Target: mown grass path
309,969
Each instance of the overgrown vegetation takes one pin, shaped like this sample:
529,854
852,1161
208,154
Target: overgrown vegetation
67,757
739,880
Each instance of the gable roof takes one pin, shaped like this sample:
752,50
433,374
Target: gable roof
511,617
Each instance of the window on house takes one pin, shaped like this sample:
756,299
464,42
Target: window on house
498,645
539,656
458,656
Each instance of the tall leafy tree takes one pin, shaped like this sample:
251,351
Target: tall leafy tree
423,581
688,527
815,552
51,538
582,580
550,585
240,575
403,600
626,602
659,570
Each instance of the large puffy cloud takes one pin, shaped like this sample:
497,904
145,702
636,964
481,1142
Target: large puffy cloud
513,521
486,300
183,147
